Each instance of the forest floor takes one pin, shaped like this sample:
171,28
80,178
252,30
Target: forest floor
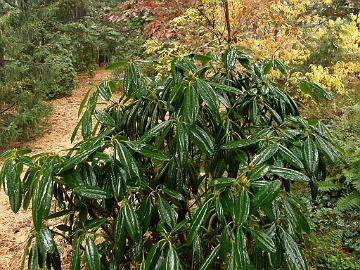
55,138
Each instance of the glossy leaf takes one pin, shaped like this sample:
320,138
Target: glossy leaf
289,174
132,222
207,94
311,156
197,221
166,213
265,154
92,192
202,140
92,256
190,106
210,260
241,208
294,256
263,241
172,260
266,194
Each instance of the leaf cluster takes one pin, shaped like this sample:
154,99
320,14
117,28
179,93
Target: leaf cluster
190,171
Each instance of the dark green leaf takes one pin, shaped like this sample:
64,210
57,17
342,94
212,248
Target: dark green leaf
172,260
202,140
207,94
313,89
311,156
45,241
166,213
258,172
241,255
265,154
265,195
92,192
104,118
280,66
197,221
127,162
33,261
120,233
290,157
238,144
132,223
190,106
92,256
295,216
174,194
210,260
155,131
241,208
263,241
220,183
289,174
182,144
294,256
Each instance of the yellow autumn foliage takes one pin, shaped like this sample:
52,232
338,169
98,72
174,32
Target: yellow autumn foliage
323,50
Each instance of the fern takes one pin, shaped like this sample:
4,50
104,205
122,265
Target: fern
348,202
328,185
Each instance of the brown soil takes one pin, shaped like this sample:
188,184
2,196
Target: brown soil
14,228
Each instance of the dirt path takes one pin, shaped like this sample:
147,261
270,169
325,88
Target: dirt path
56,137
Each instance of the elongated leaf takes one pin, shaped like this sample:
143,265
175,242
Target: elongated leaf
241,208
132,223
104,118
314,88
210,260
120,233
294,256
258,172
151,257
265,195
117,183
12,183
127,162
202,140
207,94
290,157
41,201
226,88
239,143
327,148
265,154
78,158
166,213
33,261
92,192
148,151
197,221
241,255
263,241
311,156
76,254
92,256
172,260
174,194
190,106
280,66
267,66
45,241
222,182
155,131
182,144
289,174
295,216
